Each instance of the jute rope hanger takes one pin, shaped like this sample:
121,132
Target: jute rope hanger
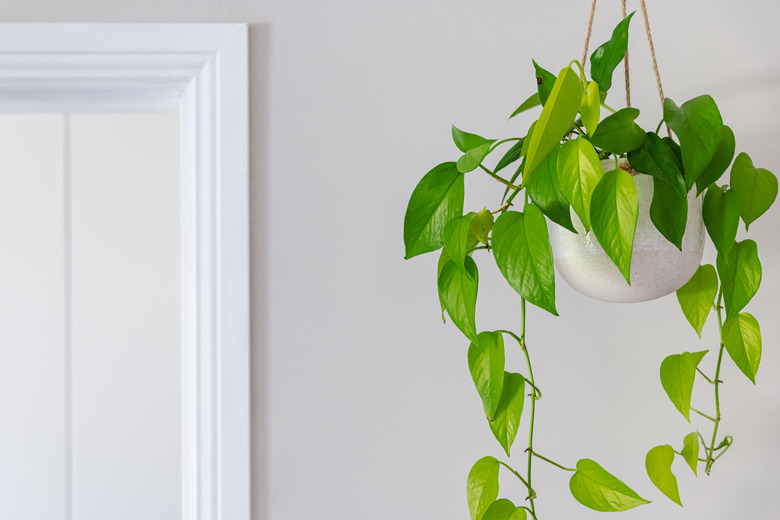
643,8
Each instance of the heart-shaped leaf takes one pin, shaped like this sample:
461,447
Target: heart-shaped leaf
456,239
482,486
618,133
719,163
678,373
614,212
544,189
436,200
486,364
579,172
503,509
466,141
545,80
507,418
669,212
658,463
605,58
757,188
690,451
557,117
742,339
444,258
697,296
740,275
590,107
533,101
458,291
521,246
592,486
656,158
699,127
720,211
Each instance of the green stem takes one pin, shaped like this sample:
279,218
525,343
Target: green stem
710,459
582,73
530,491
710,381
608,107
551,462
658,128
502,141
703,414
499,179
531,380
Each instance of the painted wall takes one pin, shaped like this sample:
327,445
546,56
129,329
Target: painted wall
363,405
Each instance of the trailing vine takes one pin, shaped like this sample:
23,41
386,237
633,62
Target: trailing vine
558,171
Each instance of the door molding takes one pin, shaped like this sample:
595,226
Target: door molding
201,71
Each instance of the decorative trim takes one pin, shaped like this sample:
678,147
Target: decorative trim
201,71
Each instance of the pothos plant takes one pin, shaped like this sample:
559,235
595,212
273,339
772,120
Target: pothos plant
558,177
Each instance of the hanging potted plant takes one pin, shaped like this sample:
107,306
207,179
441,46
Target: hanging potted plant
627,207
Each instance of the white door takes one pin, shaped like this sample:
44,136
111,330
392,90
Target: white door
90,317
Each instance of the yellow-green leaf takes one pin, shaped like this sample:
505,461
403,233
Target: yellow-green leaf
757,188
590,107
486,364
740,275
507,418
482,486
658,463
720,211
456,239
742,339
592,486
697,296
556,118
690,451
458,291
579,172
678,373
503,509
481,225
613,213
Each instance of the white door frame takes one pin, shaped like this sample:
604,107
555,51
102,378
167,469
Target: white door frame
201,71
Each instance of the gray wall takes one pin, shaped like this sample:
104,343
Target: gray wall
362,400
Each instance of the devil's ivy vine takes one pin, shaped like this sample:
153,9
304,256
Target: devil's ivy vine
561,178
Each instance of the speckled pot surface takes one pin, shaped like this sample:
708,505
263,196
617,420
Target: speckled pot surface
658,268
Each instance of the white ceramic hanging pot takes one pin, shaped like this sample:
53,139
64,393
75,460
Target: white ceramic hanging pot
658,268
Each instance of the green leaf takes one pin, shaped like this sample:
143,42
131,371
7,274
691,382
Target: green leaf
675,148
458,291
527,140
466,141
486,364
720,211
697,296
614,212
678,373
507,418
533,101
719,163
482,486
436,200
757,188
690,451
618,133
481,226
740,275
456,239
742,339
557,117
543,187
699,127
504,509
471,160
545,81
579,172
510,156
604,59
590,107
655,158
593,487
669,212
659,468
523,254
